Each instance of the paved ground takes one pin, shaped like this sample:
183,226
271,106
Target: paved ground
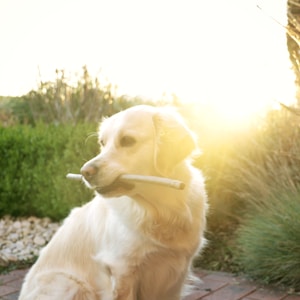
216,286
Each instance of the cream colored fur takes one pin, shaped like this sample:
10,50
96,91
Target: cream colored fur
135,244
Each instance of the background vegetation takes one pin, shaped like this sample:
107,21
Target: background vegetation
253,183
34,162
252,176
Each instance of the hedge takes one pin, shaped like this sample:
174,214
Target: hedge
33,164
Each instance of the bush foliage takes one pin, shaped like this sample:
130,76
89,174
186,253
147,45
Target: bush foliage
34,162
268,243
253,176
60,102
253,183
269,240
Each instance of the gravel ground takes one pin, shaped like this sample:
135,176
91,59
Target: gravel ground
22,238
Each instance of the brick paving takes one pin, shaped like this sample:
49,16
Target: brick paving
215,286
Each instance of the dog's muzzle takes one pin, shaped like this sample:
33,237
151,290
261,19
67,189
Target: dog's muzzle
89,171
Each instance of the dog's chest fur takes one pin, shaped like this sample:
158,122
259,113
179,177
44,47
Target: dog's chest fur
132,257
124,243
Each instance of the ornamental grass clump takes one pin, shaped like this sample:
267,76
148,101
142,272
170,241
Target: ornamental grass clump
269,240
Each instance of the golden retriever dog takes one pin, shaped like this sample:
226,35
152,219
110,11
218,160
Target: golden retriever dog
132,241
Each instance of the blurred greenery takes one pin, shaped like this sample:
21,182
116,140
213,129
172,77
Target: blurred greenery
34,162
253,185
252,174
269,239
62,102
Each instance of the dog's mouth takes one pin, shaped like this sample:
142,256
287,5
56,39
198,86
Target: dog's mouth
115,186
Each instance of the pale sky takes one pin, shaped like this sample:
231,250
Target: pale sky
221,51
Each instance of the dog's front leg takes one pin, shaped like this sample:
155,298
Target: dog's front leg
126,287
129,294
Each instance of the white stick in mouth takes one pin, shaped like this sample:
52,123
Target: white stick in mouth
74,176
176,184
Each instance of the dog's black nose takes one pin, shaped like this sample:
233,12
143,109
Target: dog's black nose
88,171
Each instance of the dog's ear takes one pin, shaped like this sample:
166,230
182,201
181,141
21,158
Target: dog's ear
174,141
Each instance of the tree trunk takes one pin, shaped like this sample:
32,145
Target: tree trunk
293,41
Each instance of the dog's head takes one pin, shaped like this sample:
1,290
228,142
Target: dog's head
142,140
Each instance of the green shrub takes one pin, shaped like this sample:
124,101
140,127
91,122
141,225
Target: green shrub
34,162
254,177
267,186
269,241
70,100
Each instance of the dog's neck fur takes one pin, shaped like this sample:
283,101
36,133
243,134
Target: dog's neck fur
154,216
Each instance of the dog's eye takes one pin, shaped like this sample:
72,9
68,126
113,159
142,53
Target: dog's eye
127,141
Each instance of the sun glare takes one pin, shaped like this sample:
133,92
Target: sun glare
234,114
233,58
